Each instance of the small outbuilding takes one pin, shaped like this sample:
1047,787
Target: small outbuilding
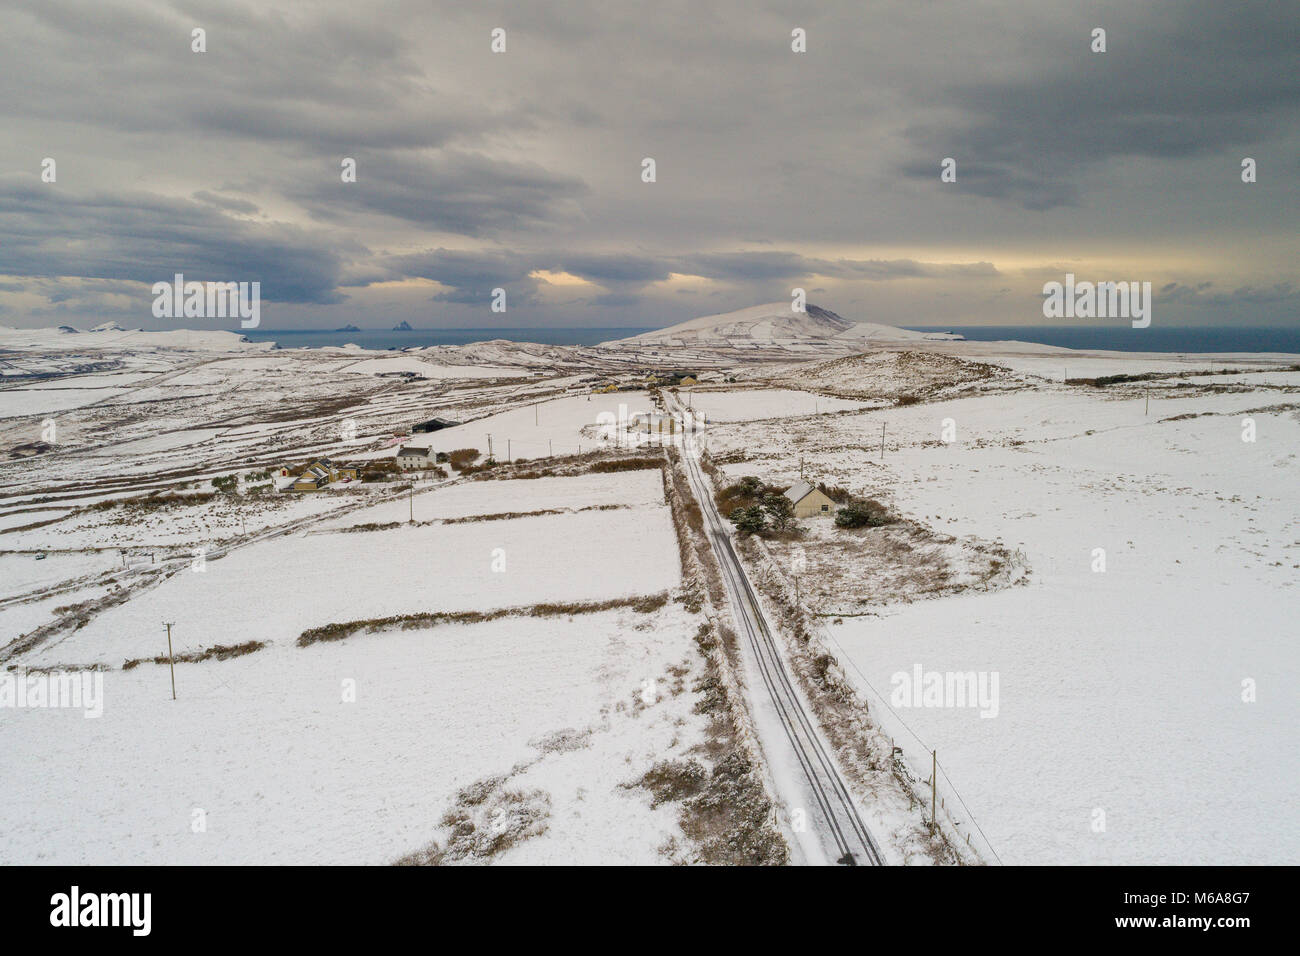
433,425
809,501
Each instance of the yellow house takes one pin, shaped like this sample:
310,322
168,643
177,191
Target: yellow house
321,472
313,479
809,501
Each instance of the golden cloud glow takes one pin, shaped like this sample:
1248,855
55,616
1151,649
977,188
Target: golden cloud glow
559,278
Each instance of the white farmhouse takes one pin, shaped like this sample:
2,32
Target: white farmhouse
410,458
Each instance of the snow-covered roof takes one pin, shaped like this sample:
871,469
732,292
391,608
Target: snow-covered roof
799,492
412,451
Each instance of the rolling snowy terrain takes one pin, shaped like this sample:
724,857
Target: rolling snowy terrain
520,654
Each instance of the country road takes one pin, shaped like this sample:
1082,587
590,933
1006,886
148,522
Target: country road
803,767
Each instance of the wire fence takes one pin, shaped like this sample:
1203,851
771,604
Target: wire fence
618,436
918,759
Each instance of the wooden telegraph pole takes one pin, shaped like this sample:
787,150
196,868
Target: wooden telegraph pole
171,660
934,786
410,499
882,441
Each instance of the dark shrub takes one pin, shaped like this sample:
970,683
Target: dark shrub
749,520
863,514
462,458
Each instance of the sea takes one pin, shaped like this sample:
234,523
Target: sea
391,339
1129,339
1119,339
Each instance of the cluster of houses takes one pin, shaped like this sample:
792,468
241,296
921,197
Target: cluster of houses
319,473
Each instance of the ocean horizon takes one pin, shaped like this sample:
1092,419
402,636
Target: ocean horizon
1128,339
1118,339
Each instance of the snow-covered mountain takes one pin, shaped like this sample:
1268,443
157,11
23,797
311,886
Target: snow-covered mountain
776,324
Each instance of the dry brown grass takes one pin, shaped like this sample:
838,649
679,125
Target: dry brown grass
220,652
485,820
407,622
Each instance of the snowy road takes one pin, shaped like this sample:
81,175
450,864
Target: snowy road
802,767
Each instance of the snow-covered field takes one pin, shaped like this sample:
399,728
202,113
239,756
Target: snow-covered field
752,404
561,426
216,519
1121,732
1121,691
283,770
283,767
633,488
397,366
274,590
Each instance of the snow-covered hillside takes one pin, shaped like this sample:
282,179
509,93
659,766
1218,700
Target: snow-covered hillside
777,324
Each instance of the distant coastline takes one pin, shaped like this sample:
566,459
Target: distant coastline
1117,339
1128,339
381,339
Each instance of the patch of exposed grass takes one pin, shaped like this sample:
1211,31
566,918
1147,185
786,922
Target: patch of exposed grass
407,622
484,820
220,652
626,464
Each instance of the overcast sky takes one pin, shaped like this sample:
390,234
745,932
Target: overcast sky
523,169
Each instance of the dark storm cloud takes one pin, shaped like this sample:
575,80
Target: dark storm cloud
1176,81
1204,293
502,166
473,275
466,194
48,231
470,277
317,80
740,266
606,269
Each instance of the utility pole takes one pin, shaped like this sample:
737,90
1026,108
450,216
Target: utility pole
934,786
550,448
489,445
882,441
171,660
509,458
1147,393
410,499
